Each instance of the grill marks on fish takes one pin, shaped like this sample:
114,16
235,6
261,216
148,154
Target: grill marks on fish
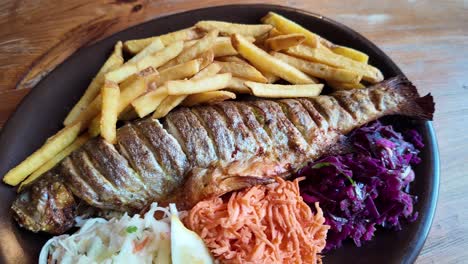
222,147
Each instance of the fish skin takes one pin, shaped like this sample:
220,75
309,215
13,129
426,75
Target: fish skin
206,151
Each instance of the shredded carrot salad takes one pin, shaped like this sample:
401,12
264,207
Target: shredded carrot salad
262,224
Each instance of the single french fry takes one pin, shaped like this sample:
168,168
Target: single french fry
267,63
284,91
51,147
284,41
320,70
236,85
209,71
227,28
336,86
242,70
136,45
195,50
232,59
154,60
114,61
287,26
54,161
217,82
149,102
153,47
368,72
351,53
109,113
274,33
181,71
169,103
223,46
208,98
207,58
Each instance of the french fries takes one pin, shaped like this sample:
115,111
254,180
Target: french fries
169,103
351,53
223,47
153,47
344,86
154,60
320,70
368,72
195,50
287,26
207,58
232,58
265,62
109,114
114,61
227,28
52,147
283,42
149,102
181,71
207,84
284,91
210,70
136,45
242,70
54,161
208,98
274,33
236,85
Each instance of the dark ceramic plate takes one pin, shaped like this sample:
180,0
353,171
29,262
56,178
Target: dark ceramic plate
42,111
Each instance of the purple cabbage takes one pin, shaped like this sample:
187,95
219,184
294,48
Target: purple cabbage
367,187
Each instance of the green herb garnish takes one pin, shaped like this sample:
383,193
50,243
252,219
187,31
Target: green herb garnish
131,229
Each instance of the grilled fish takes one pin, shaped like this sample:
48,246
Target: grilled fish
205,151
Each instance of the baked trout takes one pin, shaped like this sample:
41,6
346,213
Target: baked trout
205,151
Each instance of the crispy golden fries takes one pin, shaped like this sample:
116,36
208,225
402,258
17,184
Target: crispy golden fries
320,70
223,47
232,58
181,71
195,50
287,26
136,45
242,70
227,28
54,161
208,98
109,112
336,86
210,70
113,62
284,91
153,47
351,53
273,78
207,84
368,72
52,147
207,58
265,62
283,42
236,85
154,60
274,33
147,103
169,103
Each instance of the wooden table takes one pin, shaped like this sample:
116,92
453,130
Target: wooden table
427,39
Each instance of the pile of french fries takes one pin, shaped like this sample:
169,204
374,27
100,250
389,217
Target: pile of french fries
210,62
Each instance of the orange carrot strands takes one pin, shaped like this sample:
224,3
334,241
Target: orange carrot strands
263,224
139,246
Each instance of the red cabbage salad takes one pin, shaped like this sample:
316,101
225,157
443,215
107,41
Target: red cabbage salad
367,187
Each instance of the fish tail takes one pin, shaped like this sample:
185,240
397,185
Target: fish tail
415,105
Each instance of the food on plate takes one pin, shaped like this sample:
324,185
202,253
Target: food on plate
264,61
205,152
136,45
242,70
336,86
284,91
367,187
110,104
368,72
180,71
128,239
153,47
282,42
208,98
114,61
227,28
212,83
52,147
350,53
320,70
237,85
147,103
262,224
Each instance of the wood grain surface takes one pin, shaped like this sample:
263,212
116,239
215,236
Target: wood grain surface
427,39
